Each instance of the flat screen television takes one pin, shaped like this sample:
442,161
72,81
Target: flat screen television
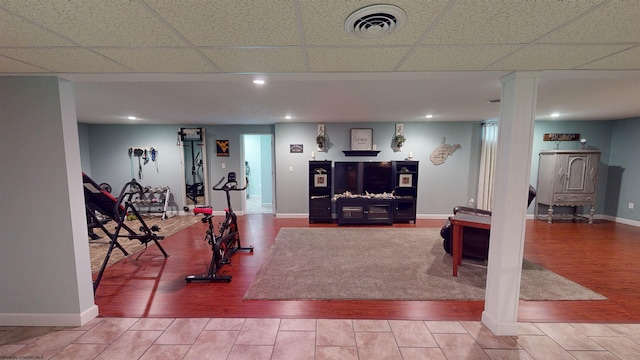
346,177
360,177
376,177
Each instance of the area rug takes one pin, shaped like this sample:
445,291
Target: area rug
385,264
98,248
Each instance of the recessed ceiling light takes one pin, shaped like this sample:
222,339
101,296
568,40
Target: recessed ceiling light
258,82
132,118
555,115
288,117
429,116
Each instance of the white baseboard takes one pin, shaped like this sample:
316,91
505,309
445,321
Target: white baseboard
622,220
433,216
446,216
499,329
215,213
29,319
291,216
172,213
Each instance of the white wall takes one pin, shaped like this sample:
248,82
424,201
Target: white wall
440,187
110,162
85,148
623,182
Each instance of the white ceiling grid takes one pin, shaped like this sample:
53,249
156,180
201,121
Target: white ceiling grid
93,41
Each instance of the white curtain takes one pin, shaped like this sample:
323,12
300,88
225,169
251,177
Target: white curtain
487,164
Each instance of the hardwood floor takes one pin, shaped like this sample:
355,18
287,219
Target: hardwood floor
604,257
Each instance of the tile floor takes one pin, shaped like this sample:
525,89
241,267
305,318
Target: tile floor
255,206
298,339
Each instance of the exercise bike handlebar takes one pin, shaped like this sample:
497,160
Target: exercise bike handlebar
230,185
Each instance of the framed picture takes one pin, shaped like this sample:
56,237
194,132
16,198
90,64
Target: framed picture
320,180
361,139
405,180
296,148
222,148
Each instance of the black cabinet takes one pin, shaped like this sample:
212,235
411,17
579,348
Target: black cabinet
405,178
320,191
364,211
371,184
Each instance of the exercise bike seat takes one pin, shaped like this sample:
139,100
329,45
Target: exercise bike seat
203,210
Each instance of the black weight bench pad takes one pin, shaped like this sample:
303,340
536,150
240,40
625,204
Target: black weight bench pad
100,200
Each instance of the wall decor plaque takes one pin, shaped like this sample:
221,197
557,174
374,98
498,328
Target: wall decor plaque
361,139
561,137
442,152
296,148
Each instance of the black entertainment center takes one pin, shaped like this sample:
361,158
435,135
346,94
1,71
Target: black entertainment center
320,191
364,192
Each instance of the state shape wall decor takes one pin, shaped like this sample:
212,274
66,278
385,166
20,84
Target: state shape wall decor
442,152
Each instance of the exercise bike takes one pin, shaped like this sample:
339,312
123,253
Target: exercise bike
227,241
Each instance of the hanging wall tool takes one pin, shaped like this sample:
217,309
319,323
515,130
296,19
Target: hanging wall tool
143,155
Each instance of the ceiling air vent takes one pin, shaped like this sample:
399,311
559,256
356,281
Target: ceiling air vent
375,21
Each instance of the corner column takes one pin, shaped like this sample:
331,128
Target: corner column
508,220
45,267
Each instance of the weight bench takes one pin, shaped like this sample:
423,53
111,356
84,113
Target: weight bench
97,200
91,222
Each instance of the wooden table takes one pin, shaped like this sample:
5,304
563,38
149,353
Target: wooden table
459,221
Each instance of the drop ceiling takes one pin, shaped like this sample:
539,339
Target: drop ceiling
193,62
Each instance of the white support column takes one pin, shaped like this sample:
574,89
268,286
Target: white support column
508,221
45,267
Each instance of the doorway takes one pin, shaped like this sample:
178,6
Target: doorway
258,168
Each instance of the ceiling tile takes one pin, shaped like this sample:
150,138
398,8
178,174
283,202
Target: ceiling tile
257,59
12,66
615,22
554,57
503,21
71,60
628,59
458,57
98,23
355,59
172,60
18,32
324,22
232,22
